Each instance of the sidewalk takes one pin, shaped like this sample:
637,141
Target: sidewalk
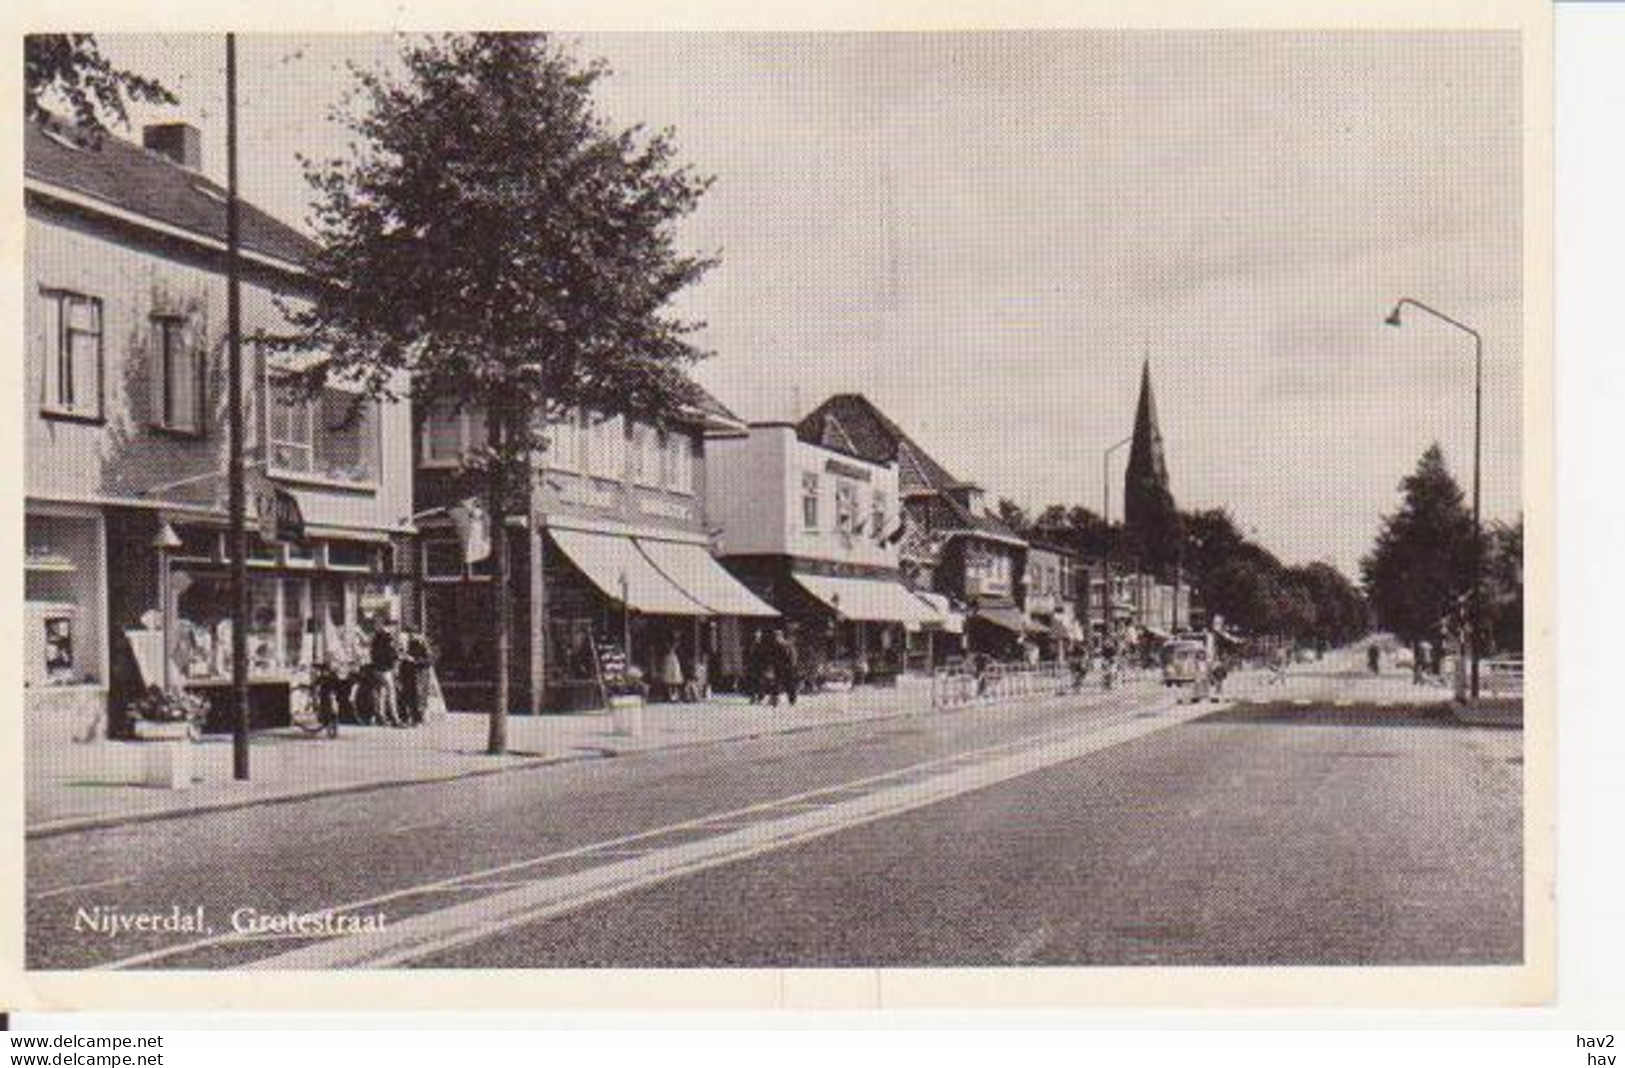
75,786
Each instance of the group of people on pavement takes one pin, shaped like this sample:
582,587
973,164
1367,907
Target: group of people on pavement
771,668
394,685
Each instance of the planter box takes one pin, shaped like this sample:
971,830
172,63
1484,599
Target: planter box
166,755
627,713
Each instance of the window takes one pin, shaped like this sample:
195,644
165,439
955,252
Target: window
643,454
565,441
846,506
877,516
606,447
683,455
442,559
451,433
333,436
73,354
178,375
676,462
809,500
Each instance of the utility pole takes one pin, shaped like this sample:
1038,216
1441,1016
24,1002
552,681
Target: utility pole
238,534
1106,520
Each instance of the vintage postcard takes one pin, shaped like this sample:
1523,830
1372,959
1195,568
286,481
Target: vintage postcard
916,507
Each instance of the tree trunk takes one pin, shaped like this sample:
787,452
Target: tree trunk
496,510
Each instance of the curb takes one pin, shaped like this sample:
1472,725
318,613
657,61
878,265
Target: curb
79,824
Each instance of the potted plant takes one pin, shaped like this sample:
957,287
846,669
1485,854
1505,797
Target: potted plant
169,715
174,718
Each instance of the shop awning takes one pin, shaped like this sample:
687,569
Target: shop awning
1010,619
1065,630
952,622
870,600
621,572
698,574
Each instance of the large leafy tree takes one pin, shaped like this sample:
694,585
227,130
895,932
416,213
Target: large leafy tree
1423,562
496,242
69,69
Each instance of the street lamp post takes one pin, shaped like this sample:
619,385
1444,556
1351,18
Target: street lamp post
1478,445
1106,519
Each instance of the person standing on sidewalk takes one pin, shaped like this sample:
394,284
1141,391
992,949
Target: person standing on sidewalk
385,656
782,659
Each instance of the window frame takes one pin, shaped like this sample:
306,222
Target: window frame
311,407
167,326
59,355
811,494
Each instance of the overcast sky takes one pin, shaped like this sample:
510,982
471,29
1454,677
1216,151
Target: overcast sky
987,233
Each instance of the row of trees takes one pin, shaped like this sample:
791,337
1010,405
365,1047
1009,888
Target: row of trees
1237,578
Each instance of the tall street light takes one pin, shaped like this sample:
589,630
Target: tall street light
1106,518
1478,440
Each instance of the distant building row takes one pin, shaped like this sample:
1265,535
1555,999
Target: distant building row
639,539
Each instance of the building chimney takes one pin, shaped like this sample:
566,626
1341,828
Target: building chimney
180,141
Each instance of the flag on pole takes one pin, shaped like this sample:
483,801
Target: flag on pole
473,529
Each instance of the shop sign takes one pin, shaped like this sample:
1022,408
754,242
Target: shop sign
838,467
275,509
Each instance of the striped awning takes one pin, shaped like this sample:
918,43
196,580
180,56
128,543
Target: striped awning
692,569
621,571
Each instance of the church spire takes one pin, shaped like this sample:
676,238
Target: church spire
1148,504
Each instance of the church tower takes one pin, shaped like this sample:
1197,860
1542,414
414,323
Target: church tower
1148,505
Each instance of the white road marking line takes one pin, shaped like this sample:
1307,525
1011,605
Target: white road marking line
430,933
410,827
61,890
757,809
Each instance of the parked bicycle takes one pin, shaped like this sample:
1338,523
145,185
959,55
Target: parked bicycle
317,700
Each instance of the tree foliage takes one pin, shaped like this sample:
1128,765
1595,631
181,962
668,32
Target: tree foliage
1423,561
69,68
497,241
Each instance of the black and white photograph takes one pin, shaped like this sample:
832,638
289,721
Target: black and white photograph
1033,499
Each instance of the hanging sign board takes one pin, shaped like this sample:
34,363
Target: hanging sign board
275,509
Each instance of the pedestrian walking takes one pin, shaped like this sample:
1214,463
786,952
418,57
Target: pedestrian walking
1373,658
671,674
783,662
755,667
385,658
1220,672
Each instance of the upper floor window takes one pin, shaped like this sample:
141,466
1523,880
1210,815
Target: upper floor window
676,463
878,516
565,442
643,447
333,436
178,376
450,434
606,447
809,500
846,506
73,354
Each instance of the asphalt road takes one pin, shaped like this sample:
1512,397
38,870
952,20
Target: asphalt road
1109,830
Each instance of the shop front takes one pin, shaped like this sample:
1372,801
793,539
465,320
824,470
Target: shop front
608,601
865,626
64,620
942,642
652,599
1004,632
312,601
